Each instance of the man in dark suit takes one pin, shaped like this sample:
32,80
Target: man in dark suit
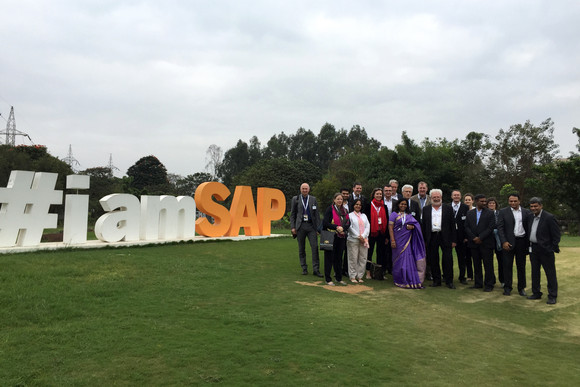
414,207
356,194
459,215
544,241
512,228
304,221
438,227
479,225
395,186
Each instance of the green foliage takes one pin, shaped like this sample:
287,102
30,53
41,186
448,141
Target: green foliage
324,190
280,173
149,176
31,158
507,190
186,186
102,183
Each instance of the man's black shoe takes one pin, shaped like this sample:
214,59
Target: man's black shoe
551,301
534,297
487,289
434,285
304,272
507,292
317,273
522,293
463,282
476,287
451,286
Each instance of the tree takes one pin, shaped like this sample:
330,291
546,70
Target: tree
280,173
102,183
235,161
186,186
518,150
149,176
213,157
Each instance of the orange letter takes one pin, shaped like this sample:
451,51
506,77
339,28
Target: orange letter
271,206
203,200
243,213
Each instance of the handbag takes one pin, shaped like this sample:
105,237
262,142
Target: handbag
326,240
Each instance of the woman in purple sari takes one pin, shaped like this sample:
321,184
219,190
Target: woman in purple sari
408,248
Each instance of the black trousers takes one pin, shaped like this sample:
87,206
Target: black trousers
547,260
464,261
436,243
306,230
483,254
519,253
333,259
379,241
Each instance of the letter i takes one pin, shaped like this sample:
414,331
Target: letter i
76,211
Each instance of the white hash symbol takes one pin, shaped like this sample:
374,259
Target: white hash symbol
25,204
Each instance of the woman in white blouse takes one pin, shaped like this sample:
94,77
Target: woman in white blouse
357,243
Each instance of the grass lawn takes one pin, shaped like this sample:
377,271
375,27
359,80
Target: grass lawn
241,313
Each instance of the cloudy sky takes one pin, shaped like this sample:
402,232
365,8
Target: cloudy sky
170,78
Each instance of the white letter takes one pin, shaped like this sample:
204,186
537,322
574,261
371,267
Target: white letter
76,211
119,225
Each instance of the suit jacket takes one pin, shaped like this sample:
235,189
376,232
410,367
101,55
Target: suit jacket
483,229
416,198
448,231
548,232
351,202
397,196
506,223
297,212
459,218
414,208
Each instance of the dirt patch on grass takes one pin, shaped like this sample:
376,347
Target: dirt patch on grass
350,289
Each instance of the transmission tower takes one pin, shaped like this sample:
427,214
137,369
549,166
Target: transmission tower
110,165
70,160
11,132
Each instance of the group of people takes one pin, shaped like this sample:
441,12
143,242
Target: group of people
406,233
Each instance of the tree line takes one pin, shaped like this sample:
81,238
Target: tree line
522,158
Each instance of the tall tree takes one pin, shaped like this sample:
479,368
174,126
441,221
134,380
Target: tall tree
235,161
149,176
519,149
213,158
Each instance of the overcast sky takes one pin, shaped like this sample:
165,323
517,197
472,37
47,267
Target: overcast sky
170,78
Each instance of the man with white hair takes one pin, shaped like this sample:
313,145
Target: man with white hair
395,186
413,205
439,232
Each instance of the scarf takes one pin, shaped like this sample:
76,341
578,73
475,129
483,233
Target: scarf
377,228
361,229
339,217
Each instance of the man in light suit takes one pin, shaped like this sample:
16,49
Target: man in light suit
422,197
544,241
514,235
479,226
438,227
304,221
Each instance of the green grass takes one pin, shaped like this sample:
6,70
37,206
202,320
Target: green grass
237,313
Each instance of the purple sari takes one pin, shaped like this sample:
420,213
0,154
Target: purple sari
409,255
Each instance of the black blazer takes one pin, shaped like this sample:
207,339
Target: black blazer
506,223
328,225
414,208
448,232
483,229
460,221
297,212
351,202
548,232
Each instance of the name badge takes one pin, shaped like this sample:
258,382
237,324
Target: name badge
412,213
380,221
463,217
305,218
313,207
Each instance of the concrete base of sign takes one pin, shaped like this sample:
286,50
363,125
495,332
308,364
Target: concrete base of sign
96,244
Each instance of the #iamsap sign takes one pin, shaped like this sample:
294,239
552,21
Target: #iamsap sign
25,203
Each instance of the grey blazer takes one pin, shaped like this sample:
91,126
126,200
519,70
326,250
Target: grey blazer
297,212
